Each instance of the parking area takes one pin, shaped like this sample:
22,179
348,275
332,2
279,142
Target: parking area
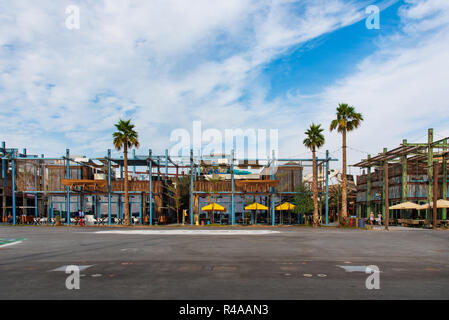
223,263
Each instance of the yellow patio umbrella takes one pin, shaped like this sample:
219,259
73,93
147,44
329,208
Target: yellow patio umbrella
213,207
285,206
255,206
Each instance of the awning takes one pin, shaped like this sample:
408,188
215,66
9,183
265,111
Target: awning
213,207
256,206
285,206
440,204
405,206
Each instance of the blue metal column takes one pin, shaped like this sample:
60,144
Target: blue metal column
109,187
150,173
52,212
118,206
140,208
13,181
327,187
191,186
67,155
95,202
232,189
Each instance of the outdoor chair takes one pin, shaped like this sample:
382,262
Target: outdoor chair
136,220
90,220
224,219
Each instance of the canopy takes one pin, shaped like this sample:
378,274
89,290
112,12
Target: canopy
285,206
440,204
405,206
213,207
256,206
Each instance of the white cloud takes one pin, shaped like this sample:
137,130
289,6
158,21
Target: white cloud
401,89
163,63
167,63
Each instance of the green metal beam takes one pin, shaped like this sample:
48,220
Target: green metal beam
429,167
404,175
444,180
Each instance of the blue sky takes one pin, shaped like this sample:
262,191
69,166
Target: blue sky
278,64
321,61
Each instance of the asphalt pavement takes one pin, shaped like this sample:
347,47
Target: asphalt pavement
223,263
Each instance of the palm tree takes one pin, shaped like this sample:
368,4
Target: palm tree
125,137
314,140
347,120
174,193
335,197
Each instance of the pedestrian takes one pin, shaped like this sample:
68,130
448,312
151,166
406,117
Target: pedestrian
10,219
81,215
371,218
379,219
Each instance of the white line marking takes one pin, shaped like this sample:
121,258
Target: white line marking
10,244
191,232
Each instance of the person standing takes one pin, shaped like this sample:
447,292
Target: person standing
371,218
10,219
379,219
81,214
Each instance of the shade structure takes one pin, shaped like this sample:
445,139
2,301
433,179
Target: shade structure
405,206
256,206
285,206
213,207
440,204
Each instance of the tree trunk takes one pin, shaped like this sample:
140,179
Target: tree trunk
126,211
344,202
315,191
